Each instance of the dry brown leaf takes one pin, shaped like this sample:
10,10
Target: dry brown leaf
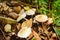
36,35
27,23
13,15
17,9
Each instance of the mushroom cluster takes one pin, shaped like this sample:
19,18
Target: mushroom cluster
21,22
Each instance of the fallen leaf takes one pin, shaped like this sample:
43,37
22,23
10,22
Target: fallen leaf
36,35
8,20
17,9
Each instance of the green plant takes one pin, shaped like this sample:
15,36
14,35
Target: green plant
56,12
33,38
57,31
43,8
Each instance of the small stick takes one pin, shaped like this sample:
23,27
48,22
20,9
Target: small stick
3,33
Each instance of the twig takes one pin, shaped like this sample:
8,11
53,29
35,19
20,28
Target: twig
3,33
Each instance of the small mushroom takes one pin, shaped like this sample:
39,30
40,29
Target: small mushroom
27,23
7,28
30,11
24,32
41,18
25,29
22,15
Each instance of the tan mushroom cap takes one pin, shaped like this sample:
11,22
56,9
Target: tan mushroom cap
41,18
30,11
24,32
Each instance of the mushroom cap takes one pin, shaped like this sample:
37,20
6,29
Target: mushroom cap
21,16
41,18
31,11
24,32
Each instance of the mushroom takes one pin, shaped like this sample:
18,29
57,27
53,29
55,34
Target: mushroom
25,29
24,32
22,15
30,11
41,18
